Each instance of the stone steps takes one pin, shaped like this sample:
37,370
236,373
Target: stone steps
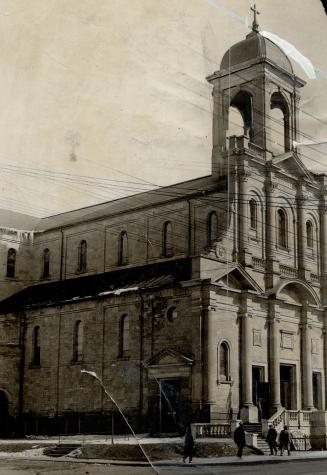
262,445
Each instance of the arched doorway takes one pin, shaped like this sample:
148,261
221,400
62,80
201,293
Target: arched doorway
4,414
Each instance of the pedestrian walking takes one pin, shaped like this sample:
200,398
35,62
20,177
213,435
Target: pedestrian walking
271,439
239,438
188,445
285,441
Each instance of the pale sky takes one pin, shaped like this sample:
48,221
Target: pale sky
101,98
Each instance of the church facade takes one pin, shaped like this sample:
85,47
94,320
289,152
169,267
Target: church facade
203,301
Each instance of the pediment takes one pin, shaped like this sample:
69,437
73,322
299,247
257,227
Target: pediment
291,163
235,278
169,357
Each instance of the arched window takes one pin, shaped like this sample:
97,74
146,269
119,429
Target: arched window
253,214
282,228
11,263
36,353
212,228
280,123
123,336
46,263
123,249
82,256
223,362
309,229
78,341
167,239
172,314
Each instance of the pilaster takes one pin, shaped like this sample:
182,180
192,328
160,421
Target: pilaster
274,355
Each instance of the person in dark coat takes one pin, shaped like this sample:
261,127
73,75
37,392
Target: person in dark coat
271,439
285,441
188,445
239,438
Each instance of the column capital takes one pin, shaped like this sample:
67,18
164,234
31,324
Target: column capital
245,314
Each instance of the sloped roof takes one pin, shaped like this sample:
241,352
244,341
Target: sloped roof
129,203
107,284
13,220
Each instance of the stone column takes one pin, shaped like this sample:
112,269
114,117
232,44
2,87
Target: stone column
301,231
323,242
325,357
211,358
249,413
274,351
243,228
271,233
307,389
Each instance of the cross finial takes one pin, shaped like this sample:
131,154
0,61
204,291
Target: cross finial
255,25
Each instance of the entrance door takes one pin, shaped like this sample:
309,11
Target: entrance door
316,387
4,415
286,386
170,401
260,392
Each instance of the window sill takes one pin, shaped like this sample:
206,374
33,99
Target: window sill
283,249
34,366
226,381
77,362
124,358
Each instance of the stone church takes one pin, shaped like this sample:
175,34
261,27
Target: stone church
204,301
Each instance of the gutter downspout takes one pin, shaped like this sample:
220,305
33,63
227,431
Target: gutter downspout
58,363
141,367
22,337
61,254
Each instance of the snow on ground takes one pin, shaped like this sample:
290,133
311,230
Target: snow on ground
34,452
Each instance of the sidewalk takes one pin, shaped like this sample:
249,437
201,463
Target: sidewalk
247,460
36,446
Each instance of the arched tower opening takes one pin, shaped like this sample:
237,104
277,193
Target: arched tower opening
280,124
241,115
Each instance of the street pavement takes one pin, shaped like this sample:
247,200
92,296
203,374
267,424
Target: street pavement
51,467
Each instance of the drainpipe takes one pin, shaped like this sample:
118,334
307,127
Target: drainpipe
141,368
22,337
58,363
189,229
61,254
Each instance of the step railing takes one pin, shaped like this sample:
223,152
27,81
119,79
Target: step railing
293,419
278,420
211,430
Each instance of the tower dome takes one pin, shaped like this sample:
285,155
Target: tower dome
256,49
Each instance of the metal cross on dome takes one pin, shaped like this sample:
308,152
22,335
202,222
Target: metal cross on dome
255,25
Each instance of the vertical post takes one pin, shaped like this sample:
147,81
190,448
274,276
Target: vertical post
160,408
112,428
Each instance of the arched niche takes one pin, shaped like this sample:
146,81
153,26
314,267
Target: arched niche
297,292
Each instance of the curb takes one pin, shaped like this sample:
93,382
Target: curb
172,463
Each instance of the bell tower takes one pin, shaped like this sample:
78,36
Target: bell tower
256,80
